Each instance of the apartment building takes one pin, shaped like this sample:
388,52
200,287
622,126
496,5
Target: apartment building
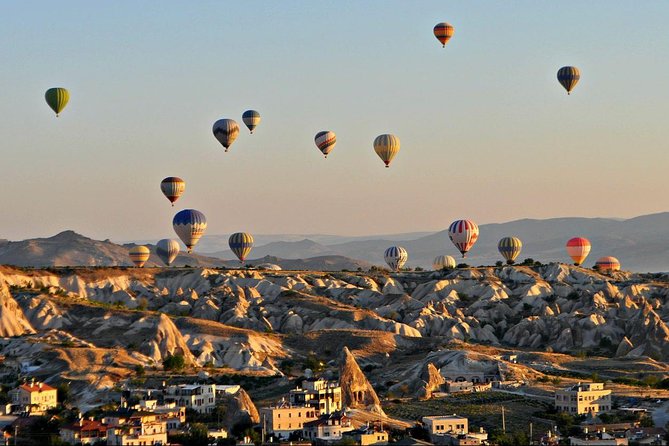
284,419
583,398
318,393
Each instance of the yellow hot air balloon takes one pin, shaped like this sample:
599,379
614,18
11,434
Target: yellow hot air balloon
387,146
139,255
57,99
442,262
510,248
241,244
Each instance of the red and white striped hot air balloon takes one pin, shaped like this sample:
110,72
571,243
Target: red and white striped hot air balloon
608,264
173,188
463,234
578,249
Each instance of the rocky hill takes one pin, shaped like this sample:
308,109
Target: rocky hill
94,325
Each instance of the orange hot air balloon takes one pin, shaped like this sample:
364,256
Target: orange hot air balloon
139,255
443,32
578,249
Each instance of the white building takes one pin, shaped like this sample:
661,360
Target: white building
322,395
583,398
199,397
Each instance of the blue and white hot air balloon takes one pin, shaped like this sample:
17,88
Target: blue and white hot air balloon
396,257
189,225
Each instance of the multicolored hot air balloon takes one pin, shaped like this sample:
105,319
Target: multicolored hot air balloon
139,255
568,77
325,141
226,131
251,118
443,32
173,188
168,250
189,225
396,257
510,247
387,146
463,234
57,98
608,264
578,249
441,262
241,244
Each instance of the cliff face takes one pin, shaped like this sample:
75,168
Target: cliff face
431,381
12,320
357,392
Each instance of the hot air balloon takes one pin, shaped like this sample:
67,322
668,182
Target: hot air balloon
325,141
608,264
387,146
396,257
241,244
173,188
510,247
568,77
578,249
251,118
463,234
139,255
226,131
189,225
168,250
441,262
443,32
57,99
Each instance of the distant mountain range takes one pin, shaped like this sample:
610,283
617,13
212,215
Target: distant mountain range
640,243
71,249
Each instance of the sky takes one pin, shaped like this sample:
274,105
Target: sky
487,132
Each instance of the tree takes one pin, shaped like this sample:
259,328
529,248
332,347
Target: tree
174,362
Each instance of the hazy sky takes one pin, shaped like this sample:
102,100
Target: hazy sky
487,132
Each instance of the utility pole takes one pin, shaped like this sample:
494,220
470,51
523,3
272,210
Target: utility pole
531,434
503,421
16,434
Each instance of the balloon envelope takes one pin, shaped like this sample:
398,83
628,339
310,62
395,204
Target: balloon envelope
510,247
168,250
251,119
578,249
189,225
463,234
226,131
173,188
441,262
443,32
57,98
396,257
241,244
139,255
325,141
386,147
608,264
568,77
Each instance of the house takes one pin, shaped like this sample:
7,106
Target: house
84,432
284,419
321,394
587,398
442,425
367,436
327,427
170,413
140,429
217,434
599,439
34,397
459,387
199,397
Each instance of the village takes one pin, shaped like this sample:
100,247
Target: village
317,411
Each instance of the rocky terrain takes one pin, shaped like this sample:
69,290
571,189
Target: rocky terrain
407,331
